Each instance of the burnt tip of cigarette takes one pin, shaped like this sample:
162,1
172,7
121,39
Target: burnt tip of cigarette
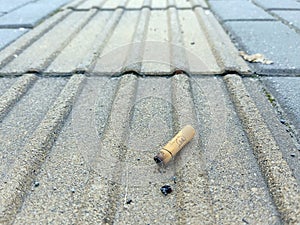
157,159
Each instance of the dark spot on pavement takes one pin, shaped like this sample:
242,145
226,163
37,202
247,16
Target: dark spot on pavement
166,189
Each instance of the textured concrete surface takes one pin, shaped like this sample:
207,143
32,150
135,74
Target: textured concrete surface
267,27
131,37
83,113
105,158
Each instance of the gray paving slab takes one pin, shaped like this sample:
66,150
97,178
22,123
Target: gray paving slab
286,91
10,5
275,40
240,168
30,15
198,52
7,36
238,10
290,16
274,4
102,160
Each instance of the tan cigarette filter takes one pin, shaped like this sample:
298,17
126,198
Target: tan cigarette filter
175,145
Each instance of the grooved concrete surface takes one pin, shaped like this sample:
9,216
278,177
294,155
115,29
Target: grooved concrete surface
91,107
185,39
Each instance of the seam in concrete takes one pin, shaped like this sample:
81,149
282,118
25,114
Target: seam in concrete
133,60
65,43
133,9
89,61
72,4
178,58
115,138
146,4
15,92
282,184
27,165
246,20
73,8
139,74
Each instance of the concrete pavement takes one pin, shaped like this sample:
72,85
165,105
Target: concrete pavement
84,112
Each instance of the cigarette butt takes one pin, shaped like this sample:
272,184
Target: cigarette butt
175,145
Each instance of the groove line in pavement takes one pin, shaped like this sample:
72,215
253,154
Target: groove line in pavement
190,161
114,140
134,58
56,38
178,57
222,47
15,92
89,60
28,163
282,184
